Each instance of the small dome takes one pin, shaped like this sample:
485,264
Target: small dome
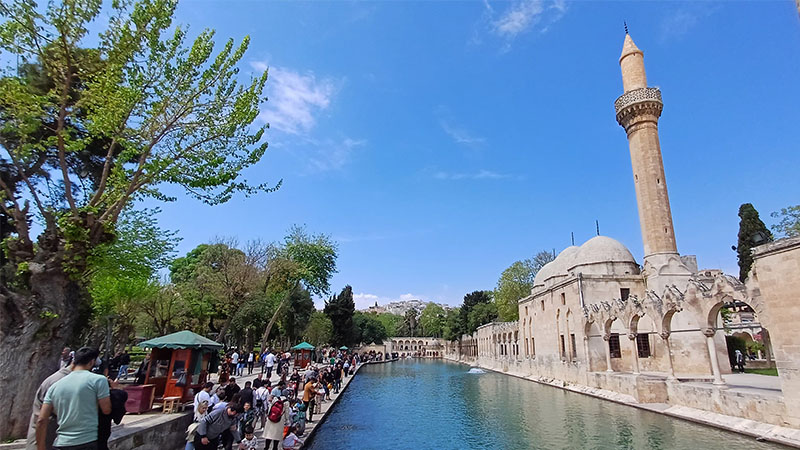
556,267
606,252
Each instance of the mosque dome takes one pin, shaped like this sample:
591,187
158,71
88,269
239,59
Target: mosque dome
603,255
557,267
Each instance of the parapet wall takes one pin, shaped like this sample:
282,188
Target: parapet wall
639,389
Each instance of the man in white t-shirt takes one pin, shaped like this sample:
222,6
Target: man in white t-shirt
270,364
203,395
235,363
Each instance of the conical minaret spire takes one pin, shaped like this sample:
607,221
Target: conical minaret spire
638,111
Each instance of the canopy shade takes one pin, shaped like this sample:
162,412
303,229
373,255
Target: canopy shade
180,340
303,346
344,347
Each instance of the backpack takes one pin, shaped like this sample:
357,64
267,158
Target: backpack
260,397
276,411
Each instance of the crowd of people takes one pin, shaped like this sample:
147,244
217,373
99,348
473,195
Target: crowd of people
75,406
229,415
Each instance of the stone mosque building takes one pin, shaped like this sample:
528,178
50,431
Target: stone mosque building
599,322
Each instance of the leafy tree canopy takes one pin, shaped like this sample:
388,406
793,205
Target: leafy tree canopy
370,329
340,309
752,232
788,221
319,330
452,328
481,314
470,301
431,320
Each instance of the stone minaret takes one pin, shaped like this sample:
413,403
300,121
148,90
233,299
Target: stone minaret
638,110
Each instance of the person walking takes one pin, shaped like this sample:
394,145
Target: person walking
38,400
235,363
276,420
739,361
308,398
251,362
270,362
75,400
209,432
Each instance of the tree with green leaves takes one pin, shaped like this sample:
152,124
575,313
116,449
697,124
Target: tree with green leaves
370,329
788,221
470,301
410,325
515,283
391,323
124,273
752,232
307,260
431,320
319,329
452,328
118,117
340,309
481,314
295,315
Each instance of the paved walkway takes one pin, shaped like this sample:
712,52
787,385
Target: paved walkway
749,383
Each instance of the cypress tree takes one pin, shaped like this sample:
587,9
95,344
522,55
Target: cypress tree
340,309
752,232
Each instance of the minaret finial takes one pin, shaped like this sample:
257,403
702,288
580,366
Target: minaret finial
626,26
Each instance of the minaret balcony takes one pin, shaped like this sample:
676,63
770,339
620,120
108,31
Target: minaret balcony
638,106
637,96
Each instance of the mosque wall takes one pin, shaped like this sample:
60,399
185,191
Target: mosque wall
775,276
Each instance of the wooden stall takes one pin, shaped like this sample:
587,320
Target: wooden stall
180,363
302,354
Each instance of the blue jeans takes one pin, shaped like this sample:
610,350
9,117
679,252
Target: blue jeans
123,372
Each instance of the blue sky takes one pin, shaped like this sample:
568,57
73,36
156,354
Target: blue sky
440,141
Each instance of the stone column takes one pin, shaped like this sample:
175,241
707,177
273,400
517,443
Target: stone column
632,337
671,373
712,354
607,337
586,351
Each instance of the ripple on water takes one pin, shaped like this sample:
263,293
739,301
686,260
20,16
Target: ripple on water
414,404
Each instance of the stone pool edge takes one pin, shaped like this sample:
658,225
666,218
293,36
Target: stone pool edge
324,415
760,431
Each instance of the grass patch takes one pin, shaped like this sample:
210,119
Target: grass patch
771,372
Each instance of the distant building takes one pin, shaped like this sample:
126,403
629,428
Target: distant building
401,307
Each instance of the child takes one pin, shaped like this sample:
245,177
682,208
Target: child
320,397
247,419
299,419
250,442
291,440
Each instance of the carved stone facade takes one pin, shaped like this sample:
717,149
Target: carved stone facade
597,319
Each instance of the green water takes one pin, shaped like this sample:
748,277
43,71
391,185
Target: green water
423,404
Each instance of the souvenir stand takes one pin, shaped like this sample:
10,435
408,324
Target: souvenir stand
180,363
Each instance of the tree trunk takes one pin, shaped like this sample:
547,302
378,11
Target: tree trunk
275,316
34,327
224,330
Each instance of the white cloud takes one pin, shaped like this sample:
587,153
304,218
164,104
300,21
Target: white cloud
524,16
681,21
295,99
482,174
331,155
295,102
460,135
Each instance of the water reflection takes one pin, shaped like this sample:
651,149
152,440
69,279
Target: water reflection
415,404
